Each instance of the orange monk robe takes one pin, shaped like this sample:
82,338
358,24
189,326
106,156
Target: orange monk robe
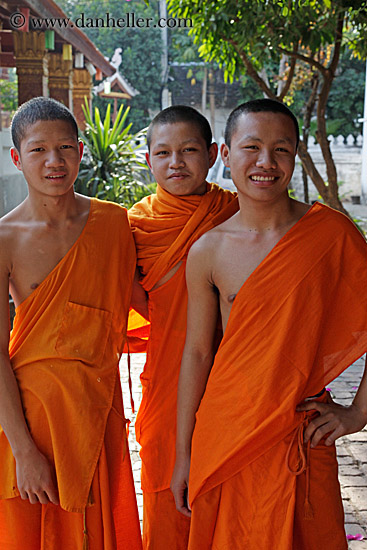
297,322
164,227
64,349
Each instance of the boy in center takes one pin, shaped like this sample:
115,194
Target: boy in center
164,226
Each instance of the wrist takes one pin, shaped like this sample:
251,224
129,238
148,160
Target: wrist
183,453
22,450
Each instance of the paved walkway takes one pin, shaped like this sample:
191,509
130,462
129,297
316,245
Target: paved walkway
352,449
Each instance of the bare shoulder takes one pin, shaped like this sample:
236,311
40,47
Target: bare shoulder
10,227
207,251
209,242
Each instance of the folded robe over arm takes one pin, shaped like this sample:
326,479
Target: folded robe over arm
164,227
64,349
297,322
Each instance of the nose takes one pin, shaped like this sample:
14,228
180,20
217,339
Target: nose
54,158
266,159
176,160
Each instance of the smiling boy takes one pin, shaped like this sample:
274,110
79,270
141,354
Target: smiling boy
255,427
65,477
164,227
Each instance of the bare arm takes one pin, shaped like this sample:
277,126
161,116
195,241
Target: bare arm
196,363
139,298
34,474
337,420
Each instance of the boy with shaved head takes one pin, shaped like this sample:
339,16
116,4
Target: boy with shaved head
164,227
69,262
255,427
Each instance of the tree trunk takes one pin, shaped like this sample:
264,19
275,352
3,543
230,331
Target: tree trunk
212,100
306,197
306,127
327,193
203,91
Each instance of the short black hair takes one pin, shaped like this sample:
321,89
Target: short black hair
181,113
39,108
257,106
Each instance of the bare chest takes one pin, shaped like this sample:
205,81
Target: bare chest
236,260
34,256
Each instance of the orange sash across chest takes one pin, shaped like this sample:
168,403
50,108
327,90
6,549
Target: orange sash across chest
165,226
298,321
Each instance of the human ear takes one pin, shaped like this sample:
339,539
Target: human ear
224,151
81,149
213,153
15,157
147,158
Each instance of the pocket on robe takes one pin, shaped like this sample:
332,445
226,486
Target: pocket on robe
83,333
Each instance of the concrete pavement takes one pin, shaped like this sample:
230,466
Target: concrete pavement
351,449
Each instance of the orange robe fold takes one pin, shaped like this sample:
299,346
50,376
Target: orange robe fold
64,350
164,227
297,322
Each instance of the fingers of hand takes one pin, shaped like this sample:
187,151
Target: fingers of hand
311,406
42,496
328,423
41,490
180,495
53,496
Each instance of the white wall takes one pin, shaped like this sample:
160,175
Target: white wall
13,187
348,160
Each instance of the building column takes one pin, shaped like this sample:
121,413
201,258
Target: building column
31,63
60,79
82,87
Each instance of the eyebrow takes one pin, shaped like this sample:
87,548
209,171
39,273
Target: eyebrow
190,140
39,141
280,140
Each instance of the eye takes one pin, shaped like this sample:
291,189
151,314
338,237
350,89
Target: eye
37,149
66,147
190,149
161,153
251,147
282,150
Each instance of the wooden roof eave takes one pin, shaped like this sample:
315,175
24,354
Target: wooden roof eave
72,35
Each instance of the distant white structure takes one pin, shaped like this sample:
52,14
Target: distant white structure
364,148
116,59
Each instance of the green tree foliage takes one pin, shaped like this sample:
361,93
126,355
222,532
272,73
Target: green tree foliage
112,168
305,38
9,93
346,99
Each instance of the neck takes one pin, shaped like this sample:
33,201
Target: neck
260,216
53,209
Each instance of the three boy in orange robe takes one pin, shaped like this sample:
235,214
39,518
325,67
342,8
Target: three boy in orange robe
70,461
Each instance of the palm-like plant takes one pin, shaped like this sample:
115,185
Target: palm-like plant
112,168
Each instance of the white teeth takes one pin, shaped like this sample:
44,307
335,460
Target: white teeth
54,177
263,178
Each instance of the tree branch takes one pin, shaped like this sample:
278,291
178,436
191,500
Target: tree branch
304,58
321,133
312,171
252,72
290,75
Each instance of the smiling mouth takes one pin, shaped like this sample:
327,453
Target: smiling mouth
263,178
56,177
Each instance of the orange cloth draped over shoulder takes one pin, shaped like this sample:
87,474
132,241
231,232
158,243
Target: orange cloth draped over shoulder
64,350
164,227
297,322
